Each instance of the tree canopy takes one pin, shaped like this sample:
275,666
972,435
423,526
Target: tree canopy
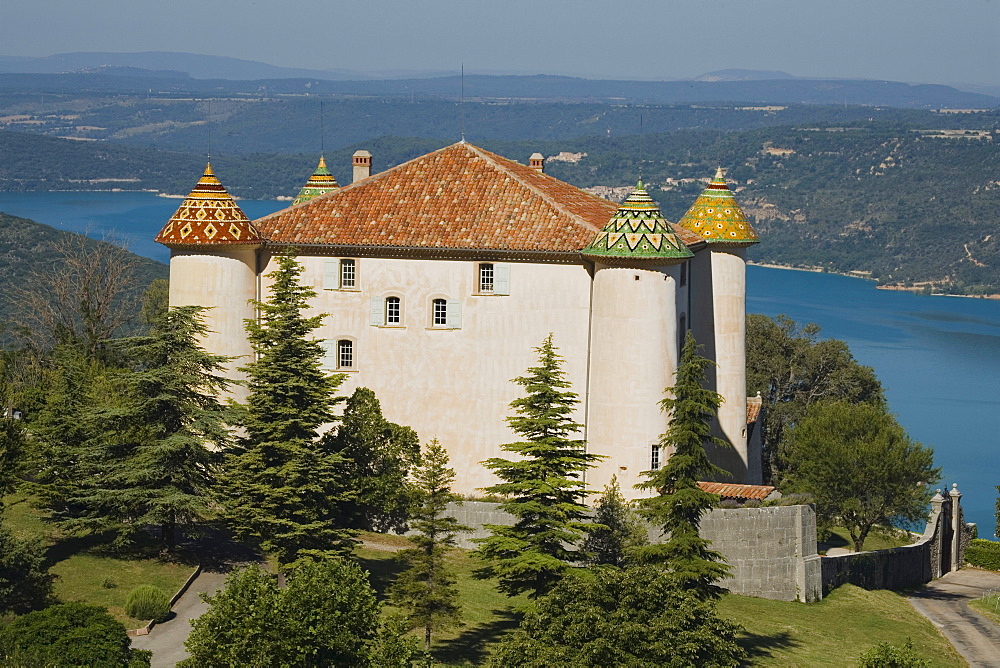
543,488
860,467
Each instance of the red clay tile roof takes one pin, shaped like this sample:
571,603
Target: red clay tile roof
460,197
754,407
733,491
208,217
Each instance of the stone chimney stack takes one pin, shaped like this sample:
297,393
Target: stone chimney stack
362,165
537,161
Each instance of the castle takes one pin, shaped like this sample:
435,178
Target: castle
441,275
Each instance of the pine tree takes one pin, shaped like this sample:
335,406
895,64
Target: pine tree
282,485
680,503
543,487
150,462
379,456
426,591
617,532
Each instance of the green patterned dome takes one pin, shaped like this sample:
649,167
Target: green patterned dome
638,232
717,218
320,183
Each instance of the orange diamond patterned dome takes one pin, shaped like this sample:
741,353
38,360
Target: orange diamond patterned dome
209,216
717,218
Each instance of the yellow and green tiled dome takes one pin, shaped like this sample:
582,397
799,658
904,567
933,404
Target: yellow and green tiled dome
320,183
717,218
638,232
209,216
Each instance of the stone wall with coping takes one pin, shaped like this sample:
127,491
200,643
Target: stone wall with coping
771,551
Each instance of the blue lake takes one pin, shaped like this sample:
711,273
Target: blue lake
937,357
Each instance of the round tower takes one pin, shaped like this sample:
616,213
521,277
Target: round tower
634,339
213,263
718,316
320,183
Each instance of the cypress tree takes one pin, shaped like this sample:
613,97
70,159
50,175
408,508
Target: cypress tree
543,487
149,463
282,484
426,591
680,503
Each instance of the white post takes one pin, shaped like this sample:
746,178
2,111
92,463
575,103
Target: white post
956,534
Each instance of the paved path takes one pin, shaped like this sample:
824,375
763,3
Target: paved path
945,602
166,640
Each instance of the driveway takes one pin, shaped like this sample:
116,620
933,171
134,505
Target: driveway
945,602
166,640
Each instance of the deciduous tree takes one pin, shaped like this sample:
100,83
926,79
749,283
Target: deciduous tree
860,467
426,590
282,484
543,487
679,504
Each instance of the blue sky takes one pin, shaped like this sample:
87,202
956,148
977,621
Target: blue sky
931,41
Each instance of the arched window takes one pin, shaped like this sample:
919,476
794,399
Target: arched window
345,354
393,311
440,312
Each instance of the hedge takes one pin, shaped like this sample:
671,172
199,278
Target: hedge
984,554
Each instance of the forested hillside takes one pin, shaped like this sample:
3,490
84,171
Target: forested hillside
28,250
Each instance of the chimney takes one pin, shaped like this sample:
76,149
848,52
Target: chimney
362,165
537,161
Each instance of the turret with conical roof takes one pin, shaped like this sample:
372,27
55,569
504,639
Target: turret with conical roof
209,216
637,233
213,264
717,218
320,183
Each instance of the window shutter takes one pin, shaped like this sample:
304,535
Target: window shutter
454,314
329,355
501,279
376,314
331,274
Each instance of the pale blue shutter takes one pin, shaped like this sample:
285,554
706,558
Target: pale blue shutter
454,314
331,274
329,355
376,315
501,279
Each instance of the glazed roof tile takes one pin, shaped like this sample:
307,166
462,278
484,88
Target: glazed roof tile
734,491
717,218
208,216
638,232
320,183
459,197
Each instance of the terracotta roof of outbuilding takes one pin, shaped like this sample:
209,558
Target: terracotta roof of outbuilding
458,197
208,216
733,491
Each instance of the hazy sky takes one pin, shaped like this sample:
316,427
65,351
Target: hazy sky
933,41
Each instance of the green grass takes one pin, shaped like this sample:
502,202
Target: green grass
87,572
876,540
988,606
835,631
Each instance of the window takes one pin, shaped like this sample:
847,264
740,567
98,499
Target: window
684,274
654,457
340,274
486,277
440,312
446,314
345,354
682,333
493,279
392,310
347,274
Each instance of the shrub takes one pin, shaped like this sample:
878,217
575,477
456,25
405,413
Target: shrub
147,602
984,554
69,634
884,655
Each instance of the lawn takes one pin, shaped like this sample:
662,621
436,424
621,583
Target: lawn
988,606
833,632
88,572
876,540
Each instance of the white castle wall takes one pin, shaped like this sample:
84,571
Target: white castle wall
454,384
224,281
